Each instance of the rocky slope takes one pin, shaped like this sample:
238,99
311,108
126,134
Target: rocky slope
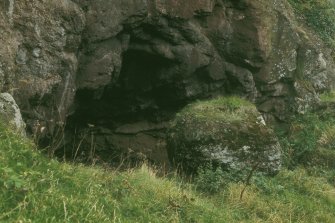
116,71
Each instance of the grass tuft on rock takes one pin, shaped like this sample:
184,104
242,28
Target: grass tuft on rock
231,109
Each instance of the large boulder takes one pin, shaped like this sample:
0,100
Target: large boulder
10,113
227,132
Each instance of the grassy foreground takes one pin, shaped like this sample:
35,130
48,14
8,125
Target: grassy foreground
36,189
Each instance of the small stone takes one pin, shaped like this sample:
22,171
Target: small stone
21,56
37,52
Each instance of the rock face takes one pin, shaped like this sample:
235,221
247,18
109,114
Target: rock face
10,113
38,57
99,65
225,132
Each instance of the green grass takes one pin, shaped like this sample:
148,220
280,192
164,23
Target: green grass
319,15
222,108
36,189
328,97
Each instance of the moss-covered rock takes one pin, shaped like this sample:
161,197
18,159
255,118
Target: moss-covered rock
227,132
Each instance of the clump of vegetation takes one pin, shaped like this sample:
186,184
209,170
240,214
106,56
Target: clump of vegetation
319,15
310,140
209,180
328,97
224,108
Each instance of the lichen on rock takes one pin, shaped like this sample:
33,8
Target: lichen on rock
228,132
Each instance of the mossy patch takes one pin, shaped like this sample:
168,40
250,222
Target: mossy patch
228,109
227,131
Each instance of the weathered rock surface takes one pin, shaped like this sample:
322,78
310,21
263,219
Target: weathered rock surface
111,63
225,132
38,57
10,113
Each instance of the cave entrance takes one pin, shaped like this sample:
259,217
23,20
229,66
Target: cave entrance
127,118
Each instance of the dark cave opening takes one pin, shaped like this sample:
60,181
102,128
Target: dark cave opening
143,91
127,118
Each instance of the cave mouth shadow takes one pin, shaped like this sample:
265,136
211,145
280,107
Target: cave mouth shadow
143,100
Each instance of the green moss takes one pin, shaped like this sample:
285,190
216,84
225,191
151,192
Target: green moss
225,120
222,108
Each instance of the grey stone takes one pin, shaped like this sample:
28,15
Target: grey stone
37,52
10,113
138,127
21,57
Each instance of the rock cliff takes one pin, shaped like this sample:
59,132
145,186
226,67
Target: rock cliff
109,75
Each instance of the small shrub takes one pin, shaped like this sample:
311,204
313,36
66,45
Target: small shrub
306,136
10,179
209,179
301,139
304,133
